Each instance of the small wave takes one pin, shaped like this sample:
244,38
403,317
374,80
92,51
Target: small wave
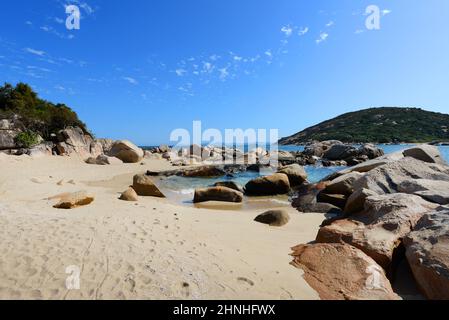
184,191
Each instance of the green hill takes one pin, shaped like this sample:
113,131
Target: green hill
378,125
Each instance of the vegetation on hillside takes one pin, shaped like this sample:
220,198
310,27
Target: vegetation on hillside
34,114
378,125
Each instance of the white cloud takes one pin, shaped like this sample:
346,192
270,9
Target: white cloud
269,54
287,30
386,11
208,67
28,23
223,73
38,68
359,31
130,80
303,31
237,58
59,20
330,24
214,57
323,37
180,72
35,52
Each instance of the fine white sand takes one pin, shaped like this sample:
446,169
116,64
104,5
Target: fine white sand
152,249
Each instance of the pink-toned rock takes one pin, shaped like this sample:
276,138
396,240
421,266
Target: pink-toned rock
379,229
427,251
342,272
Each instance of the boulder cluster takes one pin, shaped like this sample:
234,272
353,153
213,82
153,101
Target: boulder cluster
327,153
380,212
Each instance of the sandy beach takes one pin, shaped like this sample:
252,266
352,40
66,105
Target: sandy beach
152,249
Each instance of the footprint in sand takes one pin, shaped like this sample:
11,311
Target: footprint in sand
131,282
245,280
186,289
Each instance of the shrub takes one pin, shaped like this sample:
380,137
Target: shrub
27,139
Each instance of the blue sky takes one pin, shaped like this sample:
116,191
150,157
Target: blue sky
139,69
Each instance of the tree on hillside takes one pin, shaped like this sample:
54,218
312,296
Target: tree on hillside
36,114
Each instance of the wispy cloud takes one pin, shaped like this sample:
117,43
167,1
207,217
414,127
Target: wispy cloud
386,11
131,80
323,37
35,52
287,30
180,72
303,31
330,24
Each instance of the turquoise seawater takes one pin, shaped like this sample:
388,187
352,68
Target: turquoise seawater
315,173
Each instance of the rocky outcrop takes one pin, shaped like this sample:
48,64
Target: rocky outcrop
340,152
295,173
7,139
73,200
387,178
274,218
342,272
426,153
144,186
72,141
380,227
223,194
126,151
318,149
129,195
427,251
431,190
271,185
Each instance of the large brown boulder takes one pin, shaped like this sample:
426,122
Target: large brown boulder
103,160
380,227
295,173
126,151
223,194
73,200
343,184
340,152
427,251
144,186
271,185
74,142
274,218
229,184
342,272
371,151
426,153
